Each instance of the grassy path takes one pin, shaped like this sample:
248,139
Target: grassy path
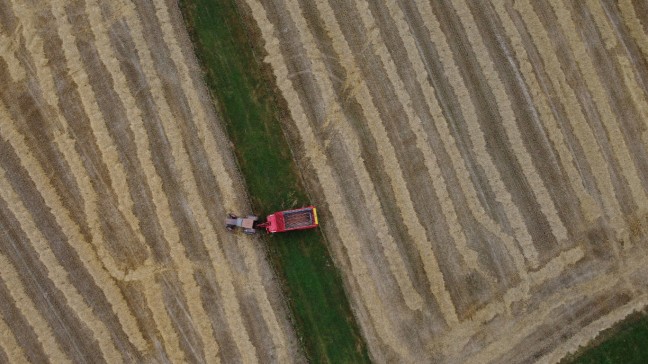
243,93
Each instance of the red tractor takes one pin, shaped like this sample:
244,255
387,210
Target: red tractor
288,220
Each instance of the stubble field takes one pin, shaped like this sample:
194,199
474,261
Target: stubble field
481,167
114,178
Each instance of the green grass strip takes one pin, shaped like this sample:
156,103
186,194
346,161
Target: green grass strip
626,343
243,91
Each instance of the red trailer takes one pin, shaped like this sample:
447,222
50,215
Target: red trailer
299,219
288,220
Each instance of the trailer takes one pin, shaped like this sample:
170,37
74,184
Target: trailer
278,222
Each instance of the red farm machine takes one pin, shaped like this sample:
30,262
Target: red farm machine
278,222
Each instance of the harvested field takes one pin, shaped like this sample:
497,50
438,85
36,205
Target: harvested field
115,174
481,167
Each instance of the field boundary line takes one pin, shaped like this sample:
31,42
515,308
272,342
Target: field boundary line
24,303
412,297
601,101
225,181
568,98
314,156
9,345
589,208
231,305
431,22
398,184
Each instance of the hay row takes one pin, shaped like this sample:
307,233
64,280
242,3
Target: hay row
626,65
595,86
392,166
183,265
23,302
8,54
588,206
230,199
365,286
502,195
576,119
513,134
155,302
468,110
75,240
63,143
634,25
336,119
153,289
107,148
633,88
189,185
66,146
469,255
9,345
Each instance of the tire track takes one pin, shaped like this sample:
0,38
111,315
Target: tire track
594,85
388,155
314,156
411,296
578,122
431,22
224,180
239,332
82,248
8,343
43,331
588,206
